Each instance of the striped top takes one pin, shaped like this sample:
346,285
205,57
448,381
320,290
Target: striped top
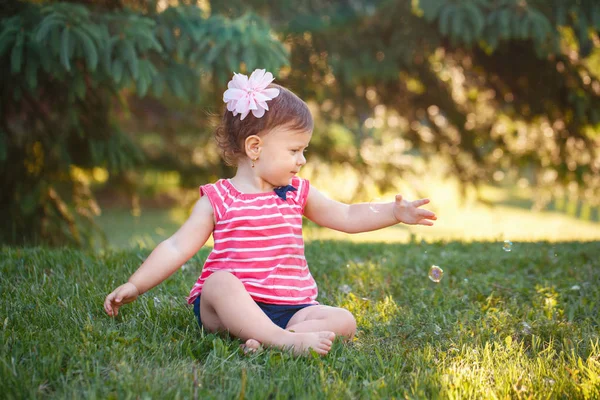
258,238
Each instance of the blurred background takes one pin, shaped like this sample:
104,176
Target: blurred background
490,108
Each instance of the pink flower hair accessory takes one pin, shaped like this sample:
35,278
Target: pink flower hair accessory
245,94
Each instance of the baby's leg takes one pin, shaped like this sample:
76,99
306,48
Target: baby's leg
225,305
319,318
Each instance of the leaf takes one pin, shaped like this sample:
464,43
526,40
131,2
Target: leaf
523,25
89,48
468,36
491,33
31,73
457,24
445,16
48,24
431,9
16,55
540,27
166,37
117,71
581,29
214,52
149,41
504,23
142,85
107,53
64,49
475,18
176,86
595,17
7,39
95,32
560,12
129,55
147,71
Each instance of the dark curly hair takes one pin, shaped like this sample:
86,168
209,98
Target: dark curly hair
285,109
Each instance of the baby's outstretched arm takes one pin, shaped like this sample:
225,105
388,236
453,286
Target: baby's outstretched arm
365,217
166,258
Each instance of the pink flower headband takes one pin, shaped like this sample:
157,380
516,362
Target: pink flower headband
244,95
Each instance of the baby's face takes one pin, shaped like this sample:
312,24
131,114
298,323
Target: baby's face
282,155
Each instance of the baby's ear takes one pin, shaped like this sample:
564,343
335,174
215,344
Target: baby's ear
252,146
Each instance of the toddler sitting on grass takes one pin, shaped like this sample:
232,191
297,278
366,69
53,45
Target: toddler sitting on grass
256,283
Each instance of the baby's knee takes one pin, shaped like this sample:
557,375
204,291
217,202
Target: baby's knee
348,323
221,282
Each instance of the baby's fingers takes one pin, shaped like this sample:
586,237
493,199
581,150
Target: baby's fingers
427,217
427,214
113,309
111,305
420,202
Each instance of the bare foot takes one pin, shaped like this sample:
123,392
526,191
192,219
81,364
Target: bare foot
302,343
251,346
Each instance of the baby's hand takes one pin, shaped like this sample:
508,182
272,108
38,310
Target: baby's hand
409,212
124,294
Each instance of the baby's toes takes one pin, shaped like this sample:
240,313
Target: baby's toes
327,335
250,346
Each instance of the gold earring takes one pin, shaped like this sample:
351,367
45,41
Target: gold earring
253,162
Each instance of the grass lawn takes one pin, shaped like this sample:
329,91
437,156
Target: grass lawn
518,324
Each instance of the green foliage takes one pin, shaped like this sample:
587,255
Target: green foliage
474,21
498,325
505,87
67,63
456,71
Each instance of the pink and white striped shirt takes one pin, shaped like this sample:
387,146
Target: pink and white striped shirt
258,238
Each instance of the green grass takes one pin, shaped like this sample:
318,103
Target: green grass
500,324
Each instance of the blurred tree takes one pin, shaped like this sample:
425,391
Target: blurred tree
499,88
64,65
495,86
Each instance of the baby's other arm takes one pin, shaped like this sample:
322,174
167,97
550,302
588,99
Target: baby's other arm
364,217
166,258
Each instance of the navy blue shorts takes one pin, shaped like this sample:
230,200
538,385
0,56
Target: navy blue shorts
279,314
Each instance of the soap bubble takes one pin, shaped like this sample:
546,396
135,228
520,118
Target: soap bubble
345,289
525,328
549,381
374,205
507,245
436,273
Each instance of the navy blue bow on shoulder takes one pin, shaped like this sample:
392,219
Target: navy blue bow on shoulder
282,190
